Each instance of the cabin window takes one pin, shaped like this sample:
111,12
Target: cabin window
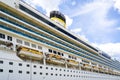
33,45
59,53
28,72
62,54
34,73
40,73
27,43
39,47
2,36
20,64
34,66
10,71
54,52
50,50
10,63
9,38
69,56
51,74
28,65
20,71
46,73
19,41
1,62
40,67
1,70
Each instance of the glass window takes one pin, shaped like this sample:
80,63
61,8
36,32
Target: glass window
40,67
54,52
10,63
40,73
28,65
34,72
62,54
28,72
20,71
2,36
9,38
59,53
39,47
10,71
34,66
1,70
20,64
19,41
33,45
1,62
50,50
27,43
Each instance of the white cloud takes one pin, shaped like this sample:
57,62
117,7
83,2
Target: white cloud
76,30
73,3
118,28
47,5
113,49
117,4
95,20
68,21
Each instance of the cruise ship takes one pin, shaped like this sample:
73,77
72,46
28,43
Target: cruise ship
36,47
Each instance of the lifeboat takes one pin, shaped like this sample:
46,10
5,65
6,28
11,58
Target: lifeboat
29,53
95,68
54,58
72,62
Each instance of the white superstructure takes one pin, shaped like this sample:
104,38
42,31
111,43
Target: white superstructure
34,47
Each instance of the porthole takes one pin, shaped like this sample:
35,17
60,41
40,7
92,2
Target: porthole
28,65
56,69
40,73
51,68
67,75
60,69
34,66
20,64
34,72
1,62
51,74
46,67
40,67
1,70
27,72
46,73
19,71
67,70
56,74
10,63
10,71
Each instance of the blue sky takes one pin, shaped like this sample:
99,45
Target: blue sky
96,21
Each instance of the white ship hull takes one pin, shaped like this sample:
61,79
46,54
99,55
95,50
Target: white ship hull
16,69
33,47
